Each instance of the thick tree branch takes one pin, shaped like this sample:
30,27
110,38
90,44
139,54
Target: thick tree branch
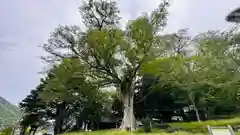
99,26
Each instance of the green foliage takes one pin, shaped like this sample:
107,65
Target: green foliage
211,68
6,131
147,127
27,130
153,130
65,81
34,109
101,45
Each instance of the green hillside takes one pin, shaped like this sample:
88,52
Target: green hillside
8,112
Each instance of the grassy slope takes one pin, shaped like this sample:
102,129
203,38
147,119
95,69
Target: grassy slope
195,126
223,122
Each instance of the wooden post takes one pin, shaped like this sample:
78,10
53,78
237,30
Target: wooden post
231,130
209,130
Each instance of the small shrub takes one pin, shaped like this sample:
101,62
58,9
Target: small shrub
27,130
6,131
147,127
139,130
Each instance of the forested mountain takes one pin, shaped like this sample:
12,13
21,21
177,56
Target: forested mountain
8,112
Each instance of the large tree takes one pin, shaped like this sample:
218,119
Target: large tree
210,65
113,57
35,111
74,96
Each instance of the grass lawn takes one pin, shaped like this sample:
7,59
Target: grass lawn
116,132
186,128
183,128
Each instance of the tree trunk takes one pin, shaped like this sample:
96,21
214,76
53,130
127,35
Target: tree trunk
85,126
128,121
15,126
197,113
195,108
34,131
79,124
29,133
23,130
59,118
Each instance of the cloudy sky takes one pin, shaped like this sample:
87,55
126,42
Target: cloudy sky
26,24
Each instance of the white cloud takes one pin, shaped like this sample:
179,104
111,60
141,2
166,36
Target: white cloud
200,15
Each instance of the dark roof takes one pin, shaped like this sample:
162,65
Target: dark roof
234,16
